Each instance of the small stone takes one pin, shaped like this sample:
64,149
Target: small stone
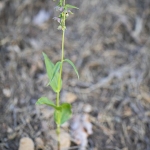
46,113
64,139
69,97
7,92
26,144
2,5
87,108
9,130
127,111
39,143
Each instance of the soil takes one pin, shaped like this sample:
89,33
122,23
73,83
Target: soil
109,42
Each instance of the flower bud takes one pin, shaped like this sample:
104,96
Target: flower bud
67,14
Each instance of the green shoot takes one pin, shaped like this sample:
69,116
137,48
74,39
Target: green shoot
62,112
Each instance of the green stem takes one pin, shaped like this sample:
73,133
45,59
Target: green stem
60,74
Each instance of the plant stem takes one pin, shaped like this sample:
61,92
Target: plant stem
60,75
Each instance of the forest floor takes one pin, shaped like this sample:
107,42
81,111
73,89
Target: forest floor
109,42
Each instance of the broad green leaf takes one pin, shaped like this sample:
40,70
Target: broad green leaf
55,70
71,6
59,88
49,69
54,84
46,101
62,114
49,66
65,113
72,64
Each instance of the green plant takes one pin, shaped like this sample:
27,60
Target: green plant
62,112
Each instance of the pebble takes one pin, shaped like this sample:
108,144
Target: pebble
69,97
46,113
2,5
26,144
7,92
87,108
64,139
39,143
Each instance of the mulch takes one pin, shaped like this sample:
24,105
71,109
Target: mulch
109,43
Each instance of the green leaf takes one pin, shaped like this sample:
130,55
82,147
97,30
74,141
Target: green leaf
72,64
49,69
62,114
46,101
65,113
60,2
70,6
49,66
55,70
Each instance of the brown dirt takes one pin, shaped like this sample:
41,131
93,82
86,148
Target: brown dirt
109,41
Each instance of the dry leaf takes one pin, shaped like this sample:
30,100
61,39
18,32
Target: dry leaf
81,128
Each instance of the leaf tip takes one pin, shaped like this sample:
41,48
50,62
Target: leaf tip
43,53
